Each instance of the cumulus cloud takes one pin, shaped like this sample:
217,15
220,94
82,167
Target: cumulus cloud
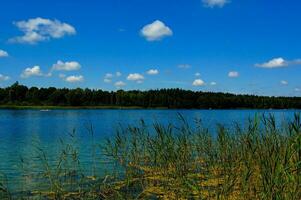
233,74
135,77
107,80
274,63
4,78
152,72
278,63
66,66
297,89
215,3
198,82
109,75
184,66
197,74
3,53
283,82
156,31
213,83
74,79
32,71
40,29
119,84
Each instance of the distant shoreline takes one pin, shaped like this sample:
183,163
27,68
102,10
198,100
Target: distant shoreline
22,97
17,107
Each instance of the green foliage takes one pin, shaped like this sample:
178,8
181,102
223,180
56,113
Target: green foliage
168,98
260,161
4,191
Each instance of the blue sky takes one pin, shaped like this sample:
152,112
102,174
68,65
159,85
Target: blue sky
210,45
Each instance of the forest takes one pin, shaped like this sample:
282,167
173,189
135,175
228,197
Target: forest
20,95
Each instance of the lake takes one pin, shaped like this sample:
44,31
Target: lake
22,130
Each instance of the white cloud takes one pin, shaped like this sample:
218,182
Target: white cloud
233,74
119,84
297,89
274,63
40,29
107,80
283,82
152,72
135,77
278,63
33,71
3,53
156,31
184,66
198,82
213,83
4,78
215,3
109,75
73,79
197,74
66,66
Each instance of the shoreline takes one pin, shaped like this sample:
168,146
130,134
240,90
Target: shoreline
13,107
17,107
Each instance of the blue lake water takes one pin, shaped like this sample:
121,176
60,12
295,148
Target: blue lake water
20,129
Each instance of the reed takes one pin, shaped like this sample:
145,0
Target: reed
260,160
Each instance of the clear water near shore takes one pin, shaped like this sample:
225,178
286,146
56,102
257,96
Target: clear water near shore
21,130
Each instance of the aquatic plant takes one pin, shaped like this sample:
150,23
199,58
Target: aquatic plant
260,160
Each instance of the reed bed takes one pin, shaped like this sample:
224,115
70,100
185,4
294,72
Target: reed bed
260,160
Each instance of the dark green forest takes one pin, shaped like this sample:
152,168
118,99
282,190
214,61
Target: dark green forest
20,95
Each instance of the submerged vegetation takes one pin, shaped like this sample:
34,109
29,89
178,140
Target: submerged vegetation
20,96
260,160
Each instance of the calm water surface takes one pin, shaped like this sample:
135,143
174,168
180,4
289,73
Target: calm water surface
21,129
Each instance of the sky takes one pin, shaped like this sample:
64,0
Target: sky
237,46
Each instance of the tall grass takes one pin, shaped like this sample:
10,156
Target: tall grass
260,160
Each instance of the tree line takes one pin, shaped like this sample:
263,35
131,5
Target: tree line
20,95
